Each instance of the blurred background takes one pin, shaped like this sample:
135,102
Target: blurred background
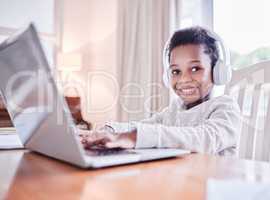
109,52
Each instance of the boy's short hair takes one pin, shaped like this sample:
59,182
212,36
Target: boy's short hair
198,36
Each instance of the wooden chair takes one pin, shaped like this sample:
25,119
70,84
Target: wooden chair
74,104
5,120
250,86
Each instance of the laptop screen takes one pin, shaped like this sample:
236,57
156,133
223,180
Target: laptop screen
27,85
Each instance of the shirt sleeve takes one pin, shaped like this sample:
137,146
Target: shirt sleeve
120,127
217,133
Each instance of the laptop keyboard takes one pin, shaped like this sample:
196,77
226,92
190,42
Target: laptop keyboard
107,152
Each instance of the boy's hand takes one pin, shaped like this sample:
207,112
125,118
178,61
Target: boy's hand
103,139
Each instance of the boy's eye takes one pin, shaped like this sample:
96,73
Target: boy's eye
175,72
195,69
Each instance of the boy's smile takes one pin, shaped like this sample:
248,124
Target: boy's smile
190,72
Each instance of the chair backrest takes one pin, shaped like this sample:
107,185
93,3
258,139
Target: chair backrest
250,86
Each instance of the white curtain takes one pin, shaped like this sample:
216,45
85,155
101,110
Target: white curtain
143,28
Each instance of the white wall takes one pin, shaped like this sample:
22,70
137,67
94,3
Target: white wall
89,28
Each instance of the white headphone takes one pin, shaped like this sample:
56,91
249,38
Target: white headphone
222,71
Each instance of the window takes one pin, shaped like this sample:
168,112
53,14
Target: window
18,13
244,26
196,12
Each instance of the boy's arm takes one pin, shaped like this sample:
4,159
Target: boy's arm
120,127
214,135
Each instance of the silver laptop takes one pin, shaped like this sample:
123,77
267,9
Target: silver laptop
40,113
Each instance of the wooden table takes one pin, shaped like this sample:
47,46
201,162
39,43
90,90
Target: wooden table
26,176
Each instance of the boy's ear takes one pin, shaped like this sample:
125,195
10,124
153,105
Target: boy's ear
212,74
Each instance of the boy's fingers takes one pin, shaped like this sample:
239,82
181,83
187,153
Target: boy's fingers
95,143
112,145
121,143
97,139
117,144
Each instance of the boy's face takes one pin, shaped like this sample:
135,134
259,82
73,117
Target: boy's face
190,72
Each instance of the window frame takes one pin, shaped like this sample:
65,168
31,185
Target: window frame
54,38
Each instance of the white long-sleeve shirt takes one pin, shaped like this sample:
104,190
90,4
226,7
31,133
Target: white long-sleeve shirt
211,127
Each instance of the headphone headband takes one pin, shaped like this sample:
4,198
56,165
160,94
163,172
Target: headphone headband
223,48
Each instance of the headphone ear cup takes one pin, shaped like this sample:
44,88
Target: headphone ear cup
166,64
165,79
222,73
216,71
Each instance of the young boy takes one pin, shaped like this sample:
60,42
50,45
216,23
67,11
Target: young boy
194,120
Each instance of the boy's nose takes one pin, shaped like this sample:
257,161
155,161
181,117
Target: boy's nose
185,78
